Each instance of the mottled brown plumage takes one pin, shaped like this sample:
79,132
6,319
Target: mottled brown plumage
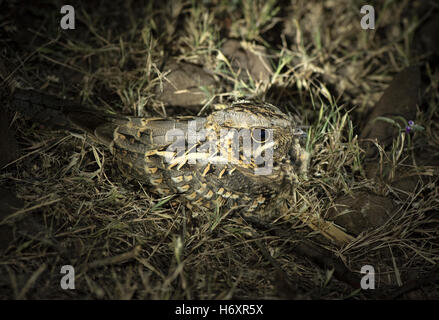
143,149
140,145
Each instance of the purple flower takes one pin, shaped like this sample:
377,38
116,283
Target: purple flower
409,128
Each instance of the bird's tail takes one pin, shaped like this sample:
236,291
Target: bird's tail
57,113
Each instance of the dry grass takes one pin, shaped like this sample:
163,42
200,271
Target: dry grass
124,242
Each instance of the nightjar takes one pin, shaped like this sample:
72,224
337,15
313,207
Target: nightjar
246,155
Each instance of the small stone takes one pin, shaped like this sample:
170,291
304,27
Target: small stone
247,59
361,211
183,85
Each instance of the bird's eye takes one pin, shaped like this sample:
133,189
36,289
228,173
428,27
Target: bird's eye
260,135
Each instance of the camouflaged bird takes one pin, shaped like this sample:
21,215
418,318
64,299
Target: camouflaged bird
247,155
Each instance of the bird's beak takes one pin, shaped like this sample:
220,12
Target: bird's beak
300,133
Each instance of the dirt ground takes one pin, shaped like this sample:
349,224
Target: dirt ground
368,99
